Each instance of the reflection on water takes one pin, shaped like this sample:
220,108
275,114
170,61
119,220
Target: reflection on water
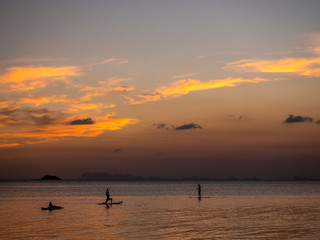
161,210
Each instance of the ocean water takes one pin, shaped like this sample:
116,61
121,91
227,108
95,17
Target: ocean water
160,210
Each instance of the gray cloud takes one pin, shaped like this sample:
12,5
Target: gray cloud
166,126
16,116
82,121
298,118
188,126
161,126
118,150
43,120
237,117
7,120
11,111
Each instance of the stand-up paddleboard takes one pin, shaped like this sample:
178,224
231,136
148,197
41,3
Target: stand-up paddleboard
52,208
111,203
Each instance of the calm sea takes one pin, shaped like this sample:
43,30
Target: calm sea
160,210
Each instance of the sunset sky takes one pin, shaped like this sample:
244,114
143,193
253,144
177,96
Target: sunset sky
160,88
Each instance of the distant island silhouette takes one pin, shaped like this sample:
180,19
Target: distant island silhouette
49,177
116,177
300,178
104,176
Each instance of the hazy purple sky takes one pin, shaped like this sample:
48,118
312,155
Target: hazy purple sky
167,88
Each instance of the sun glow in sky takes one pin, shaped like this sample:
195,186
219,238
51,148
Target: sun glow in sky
207,88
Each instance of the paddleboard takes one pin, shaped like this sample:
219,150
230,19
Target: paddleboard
51,208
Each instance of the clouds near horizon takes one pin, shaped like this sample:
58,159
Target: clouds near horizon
166,126
46,127
297,118
27,91
188,126
82,121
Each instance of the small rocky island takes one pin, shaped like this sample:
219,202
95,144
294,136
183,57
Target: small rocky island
48,177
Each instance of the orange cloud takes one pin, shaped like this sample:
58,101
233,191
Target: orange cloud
111,82
115,60
301,66
110,60
183,87
78,101
29,78
316,49
187,75
6,121
104,87
122,89
4,104
62,128
89,106
106,61
315,41
7,145
23,122
35,100
21,74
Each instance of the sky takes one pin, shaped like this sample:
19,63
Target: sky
160,88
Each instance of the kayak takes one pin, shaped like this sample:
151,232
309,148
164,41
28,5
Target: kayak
111,203
51,208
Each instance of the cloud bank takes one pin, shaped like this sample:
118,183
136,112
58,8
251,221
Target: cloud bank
31,111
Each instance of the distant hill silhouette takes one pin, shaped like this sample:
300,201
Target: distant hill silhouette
48,177
115,177
299,178
104,176
196,178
